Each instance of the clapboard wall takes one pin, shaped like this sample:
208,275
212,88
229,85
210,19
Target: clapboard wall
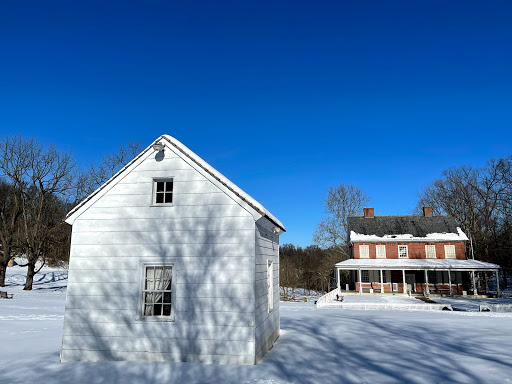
267,321
210,239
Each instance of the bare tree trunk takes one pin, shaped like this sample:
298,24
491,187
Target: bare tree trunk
31,271
3,269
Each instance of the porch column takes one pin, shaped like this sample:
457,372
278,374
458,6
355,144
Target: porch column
360,282
427,290
498,283
381,283
338,278
403,279
450,282
474,283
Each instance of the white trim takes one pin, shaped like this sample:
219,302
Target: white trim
153,195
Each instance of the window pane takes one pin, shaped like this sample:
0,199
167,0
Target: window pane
157,309
167,310
167,297
149,298
160,186
159,198
168,186
148,310
168,197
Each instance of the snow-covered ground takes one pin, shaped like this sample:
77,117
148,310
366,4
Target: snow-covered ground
316,346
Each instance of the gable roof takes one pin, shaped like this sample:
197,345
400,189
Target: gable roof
404,228
182,149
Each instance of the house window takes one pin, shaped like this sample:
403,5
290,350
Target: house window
453,277
432,277
402,251
449,251
364,251
384,279
162,191
157,291
380,251
430,251
365,276
270,285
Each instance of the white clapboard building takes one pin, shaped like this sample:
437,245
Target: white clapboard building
170,261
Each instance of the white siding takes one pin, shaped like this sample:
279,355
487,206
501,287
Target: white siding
209,239
267,323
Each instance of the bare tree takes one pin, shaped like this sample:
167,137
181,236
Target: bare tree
110,164
480,201
41,178
10,212
342,201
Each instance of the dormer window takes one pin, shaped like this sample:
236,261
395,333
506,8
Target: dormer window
162,191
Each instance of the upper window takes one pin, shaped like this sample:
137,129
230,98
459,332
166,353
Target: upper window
364,251
402,251
381,251
157,291
430,251
449,251
162,191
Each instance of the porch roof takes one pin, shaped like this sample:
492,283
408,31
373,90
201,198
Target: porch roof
417,264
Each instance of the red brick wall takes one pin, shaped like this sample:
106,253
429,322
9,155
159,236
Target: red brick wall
415,250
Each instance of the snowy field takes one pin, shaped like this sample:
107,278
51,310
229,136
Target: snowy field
316,346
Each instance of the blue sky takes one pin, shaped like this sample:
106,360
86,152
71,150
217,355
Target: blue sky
284,98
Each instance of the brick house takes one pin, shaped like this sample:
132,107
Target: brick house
420,254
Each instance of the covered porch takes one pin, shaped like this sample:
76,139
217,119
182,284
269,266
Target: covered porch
416,276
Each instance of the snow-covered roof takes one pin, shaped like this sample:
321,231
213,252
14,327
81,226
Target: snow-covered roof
409,264
177,145
404,228
431,237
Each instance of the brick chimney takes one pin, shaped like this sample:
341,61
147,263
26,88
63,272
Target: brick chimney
368,212
427,211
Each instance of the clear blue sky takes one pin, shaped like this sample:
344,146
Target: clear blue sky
284,98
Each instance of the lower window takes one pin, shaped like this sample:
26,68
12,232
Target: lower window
157,291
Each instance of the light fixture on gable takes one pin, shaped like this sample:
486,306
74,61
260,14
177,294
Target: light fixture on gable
276,230
158,147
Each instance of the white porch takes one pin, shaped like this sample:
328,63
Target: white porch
415,276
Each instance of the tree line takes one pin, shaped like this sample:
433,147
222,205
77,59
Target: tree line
38,186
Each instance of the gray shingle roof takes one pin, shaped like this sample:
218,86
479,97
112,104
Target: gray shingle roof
418,226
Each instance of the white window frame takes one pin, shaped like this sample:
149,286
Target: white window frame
406,251
153,197
382,253
432,248
270,285
366,252
142,275
449,250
